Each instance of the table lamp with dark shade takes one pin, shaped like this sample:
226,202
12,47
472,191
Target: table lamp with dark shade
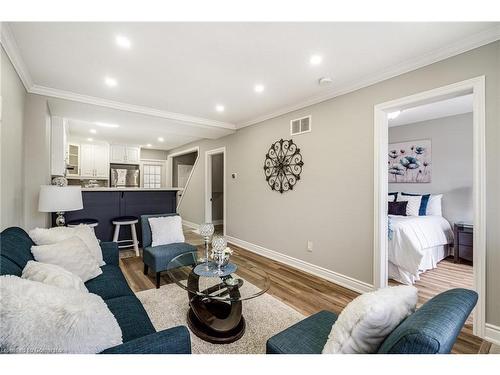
60,199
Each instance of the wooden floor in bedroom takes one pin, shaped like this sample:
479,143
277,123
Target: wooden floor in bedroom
304,292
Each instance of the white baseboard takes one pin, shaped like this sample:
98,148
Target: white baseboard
191,225
492,333
337,278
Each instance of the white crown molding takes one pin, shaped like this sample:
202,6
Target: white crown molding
466,44
335,277
10,47
68,95
492,333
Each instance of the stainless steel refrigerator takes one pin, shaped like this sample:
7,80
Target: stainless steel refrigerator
122,175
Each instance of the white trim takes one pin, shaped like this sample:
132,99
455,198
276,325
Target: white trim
208,177
190,224
12,50
68,95
466,44
492,333
477,87
335,277
170,169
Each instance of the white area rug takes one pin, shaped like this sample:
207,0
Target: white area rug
265,316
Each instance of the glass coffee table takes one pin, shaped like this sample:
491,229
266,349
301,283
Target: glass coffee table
215,300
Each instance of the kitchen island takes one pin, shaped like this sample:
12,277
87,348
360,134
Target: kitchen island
104,204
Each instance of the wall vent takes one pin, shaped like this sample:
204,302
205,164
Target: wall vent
300,125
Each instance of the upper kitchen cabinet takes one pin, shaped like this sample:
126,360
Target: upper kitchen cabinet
124,154
58,144
73,160
94,160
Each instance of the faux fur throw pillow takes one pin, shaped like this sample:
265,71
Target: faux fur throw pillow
44,236
72,255
52,274
40,318
365,322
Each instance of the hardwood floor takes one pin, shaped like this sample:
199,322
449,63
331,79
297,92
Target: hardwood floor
304,292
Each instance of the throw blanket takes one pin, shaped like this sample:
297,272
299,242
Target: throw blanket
410,236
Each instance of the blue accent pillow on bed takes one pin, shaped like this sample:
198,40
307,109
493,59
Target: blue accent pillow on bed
423,203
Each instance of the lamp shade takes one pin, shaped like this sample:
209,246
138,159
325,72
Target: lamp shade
60,198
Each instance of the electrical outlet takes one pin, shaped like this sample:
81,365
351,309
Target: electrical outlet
310,246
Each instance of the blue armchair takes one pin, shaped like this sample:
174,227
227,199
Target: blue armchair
432,329
158,257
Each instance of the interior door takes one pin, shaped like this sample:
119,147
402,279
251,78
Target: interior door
87,160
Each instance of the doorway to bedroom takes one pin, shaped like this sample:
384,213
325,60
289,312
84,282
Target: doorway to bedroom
430,218
215,189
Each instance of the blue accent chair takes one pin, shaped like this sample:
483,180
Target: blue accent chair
432,329
158,257
139,335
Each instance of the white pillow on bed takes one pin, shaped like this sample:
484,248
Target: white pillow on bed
368,319
413,206
434,205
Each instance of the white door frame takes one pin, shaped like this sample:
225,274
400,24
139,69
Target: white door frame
208,184
476,86
170,169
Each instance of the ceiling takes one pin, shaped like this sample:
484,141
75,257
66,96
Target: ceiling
175,74
444,108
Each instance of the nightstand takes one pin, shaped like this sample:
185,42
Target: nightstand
463,246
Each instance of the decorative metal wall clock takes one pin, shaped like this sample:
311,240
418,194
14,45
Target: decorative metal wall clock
283,165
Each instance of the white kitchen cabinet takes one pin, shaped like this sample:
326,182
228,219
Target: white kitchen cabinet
124,154
73,160
133,155
94,160
58,142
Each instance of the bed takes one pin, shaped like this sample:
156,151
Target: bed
416,244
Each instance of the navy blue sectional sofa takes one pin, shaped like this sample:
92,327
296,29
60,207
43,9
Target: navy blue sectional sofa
139,335
432,329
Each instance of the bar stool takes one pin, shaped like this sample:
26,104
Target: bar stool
126,220
90,222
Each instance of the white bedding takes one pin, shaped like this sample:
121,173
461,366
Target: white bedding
412,248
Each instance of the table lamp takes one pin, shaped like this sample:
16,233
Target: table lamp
60,199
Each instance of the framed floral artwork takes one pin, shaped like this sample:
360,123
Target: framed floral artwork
410,162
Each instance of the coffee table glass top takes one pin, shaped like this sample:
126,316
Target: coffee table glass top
244,283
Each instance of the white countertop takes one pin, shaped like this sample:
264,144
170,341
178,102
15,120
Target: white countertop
129,189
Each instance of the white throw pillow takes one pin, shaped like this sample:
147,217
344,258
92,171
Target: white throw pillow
48,236
41,318
166,230
368,319
434,205
72,255
52,274
413,206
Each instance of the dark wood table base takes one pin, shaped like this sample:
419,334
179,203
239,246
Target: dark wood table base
230,326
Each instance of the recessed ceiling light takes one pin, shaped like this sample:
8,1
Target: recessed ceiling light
93,131
315,59
90,139
259,88
106,125
160,139
219,108
393,115
149,145
123,41
111,82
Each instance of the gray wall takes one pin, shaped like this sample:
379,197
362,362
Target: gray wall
332,204
13,97
147,153
217,187
452,162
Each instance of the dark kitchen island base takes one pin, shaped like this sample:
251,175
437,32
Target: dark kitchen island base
104,205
